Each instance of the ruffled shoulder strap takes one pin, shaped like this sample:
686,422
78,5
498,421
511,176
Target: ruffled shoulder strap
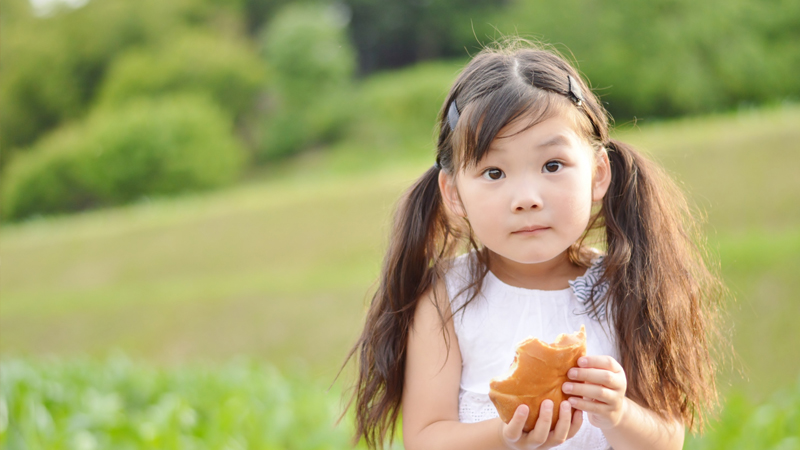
589,283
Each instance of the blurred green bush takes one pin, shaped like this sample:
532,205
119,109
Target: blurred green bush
224,69
406,102
310,96
671,57
52,66
145,148
307,47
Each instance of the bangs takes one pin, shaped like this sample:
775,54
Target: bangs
483,118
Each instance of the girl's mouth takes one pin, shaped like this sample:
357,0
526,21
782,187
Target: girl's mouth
530,230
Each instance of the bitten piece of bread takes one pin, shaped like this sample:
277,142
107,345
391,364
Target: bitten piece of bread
537,373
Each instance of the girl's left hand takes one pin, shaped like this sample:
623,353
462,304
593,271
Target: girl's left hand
602,391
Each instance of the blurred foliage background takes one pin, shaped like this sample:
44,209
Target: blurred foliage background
196,195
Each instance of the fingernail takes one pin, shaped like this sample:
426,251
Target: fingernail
567,387
573,373
573,400
582,361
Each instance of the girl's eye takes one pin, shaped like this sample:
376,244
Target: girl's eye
553,166
493,174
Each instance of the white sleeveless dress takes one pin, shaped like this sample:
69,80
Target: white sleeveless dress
501,316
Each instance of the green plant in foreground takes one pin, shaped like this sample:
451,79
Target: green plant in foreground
116,403
84,404
743,425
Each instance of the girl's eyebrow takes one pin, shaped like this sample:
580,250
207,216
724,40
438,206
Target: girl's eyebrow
558,139
554,141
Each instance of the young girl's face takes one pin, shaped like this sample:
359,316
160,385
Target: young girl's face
530,198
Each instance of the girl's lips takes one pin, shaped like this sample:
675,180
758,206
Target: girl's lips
528,230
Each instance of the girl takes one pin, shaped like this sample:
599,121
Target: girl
525,176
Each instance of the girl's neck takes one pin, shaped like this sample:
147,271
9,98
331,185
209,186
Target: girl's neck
550,275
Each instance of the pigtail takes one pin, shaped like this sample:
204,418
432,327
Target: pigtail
661,291
410,268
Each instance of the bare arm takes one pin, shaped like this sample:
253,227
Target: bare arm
430,392
642,428
430,396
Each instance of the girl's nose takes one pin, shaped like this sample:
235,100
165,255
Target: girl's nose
527,197
532,206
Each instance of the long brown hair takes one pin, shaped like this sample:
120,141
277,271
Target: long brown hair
662,296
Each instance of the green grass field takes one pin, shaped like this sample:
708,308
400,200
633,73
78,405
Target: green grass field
280,270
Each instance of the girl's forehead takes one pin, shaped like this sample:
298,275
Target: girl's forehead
552,131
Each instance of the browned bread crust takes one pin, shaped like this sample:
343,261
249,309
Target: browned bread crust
537,373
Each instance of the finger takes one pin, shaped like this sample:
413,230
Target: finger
591,391
577,421
541,430
588,405
607,378
600,362
559,434
513,430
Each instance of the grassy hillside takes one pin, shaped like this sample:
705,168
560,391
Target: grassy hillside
741,171
281,269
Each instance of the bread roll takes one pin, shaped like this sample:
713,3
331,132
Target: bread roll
537,373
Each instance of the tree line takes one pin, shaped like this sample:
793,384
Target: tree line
272,78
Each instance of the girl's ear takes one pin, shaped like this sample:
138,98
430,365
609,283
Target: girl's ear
602,176
447,186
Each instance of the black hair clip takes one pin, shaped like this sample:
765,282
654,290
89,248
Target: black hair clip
575,91
452,115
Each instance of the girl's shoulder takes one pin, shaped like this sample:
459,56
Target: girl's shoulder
458,270
460,275
463,262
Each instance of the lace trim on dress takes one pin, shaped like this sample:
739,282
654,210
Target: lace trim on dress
474,407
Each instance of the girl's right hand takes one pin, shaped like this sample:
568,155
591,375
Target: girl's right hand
540,437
